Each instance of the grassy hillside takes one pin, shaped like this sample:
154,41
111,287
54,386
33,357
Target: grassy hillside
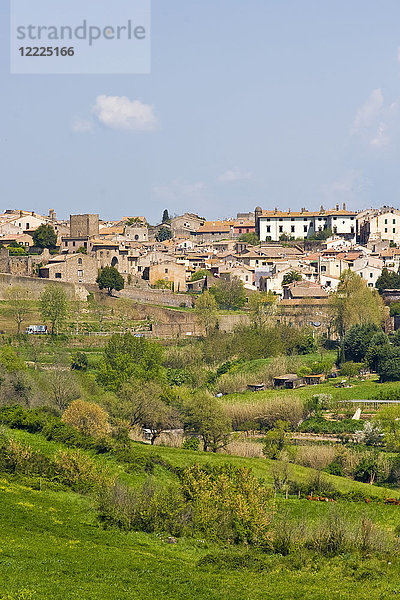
262,467
52,547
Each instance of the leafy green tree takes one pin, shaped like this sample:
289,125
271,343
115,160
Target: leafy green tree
10,360
249,238
367,469
357,340
15,249
79,361
389,369
199,274
388,280
18,306
110,279
388,420
274,441
395,309
205,417
291,277
54,305
355,304
45,237
206,310
351,369
164,234
321,235
128,357
165,217
229,294
82,250
263,306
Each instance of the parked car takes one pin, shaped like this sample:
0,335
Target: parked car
36,329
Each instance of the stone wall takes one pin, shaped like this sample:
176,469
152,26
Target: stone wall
162,297
36,286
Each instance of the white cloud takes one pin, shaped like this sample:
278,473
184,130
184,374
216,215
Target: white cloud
235,175
381,138
369,111
81,125
118,112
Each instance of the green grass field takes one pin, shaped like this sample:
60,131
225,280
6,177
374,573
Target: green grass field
52,547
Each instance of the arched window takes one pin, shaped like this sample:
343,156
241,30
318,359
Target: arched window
79,261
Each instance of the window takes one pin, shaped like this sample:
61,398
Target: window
136,237
371,274
305,228
73,243
280,229
80,273
79,261
323,268
247,277
240,230
292,229
385,221
166,278
280,219
57,275
27,225
165,270
292,219
394,223
268,228
370,285
385,229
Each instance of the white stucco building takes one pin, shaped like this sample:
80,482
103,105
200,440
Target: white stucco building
272,224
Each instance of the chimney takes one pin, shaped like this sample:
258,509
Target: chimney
321,210
276,211
33,213
344,205
20,213
289,211
337,206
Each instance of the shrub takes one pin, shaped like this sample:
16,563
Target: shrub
81,473
79,361
87,417
191,443
351,369
10,360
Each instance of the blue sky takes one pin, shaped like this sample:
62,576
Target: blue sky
259,102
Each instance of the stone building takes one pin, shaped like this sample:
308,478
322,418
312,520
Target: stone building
82,229
170,272
72,268
26,266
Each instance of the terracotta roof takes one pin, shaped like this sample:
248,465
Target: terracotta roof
111,230
306,213
210,226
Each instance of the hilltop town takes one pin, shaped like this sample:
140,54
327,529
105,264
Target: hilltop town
299,256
